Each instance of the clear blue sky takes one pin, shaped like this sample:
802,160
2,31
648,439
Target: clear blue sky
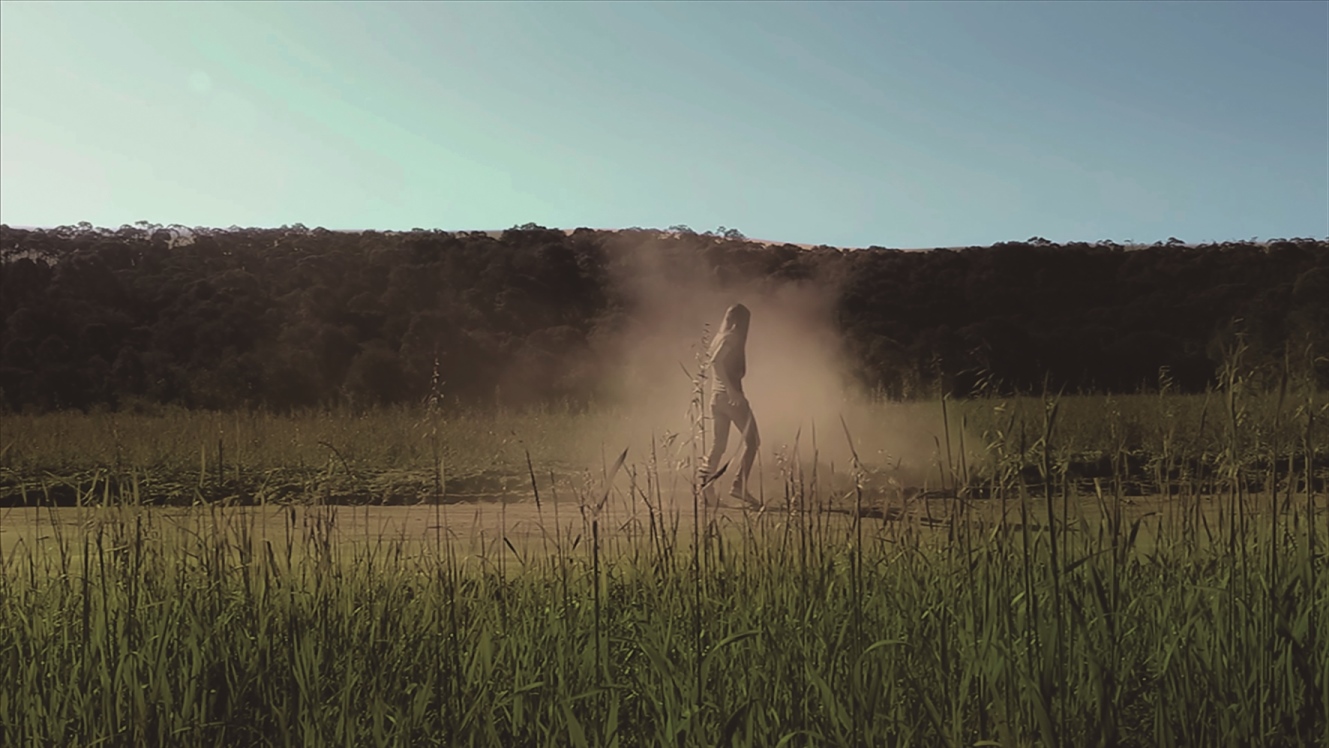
907,125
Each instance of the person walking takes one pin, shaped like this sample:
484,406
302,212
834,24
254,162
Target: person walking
729,406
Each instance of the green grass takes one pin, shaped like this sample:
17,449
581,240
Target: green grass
790,628
1204,622
405,456
181,457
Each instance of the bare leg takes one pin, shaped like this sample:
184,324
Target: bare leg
751,442
721,419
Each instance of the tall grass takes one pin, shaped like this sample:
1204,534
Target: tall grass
136,633
1203,621
1154,443
392,456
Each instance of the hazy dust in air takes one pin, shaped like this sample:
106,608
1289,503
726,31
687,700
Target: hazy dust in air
797,382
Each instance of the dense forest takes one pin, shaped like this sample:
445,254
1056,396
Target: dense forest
296,317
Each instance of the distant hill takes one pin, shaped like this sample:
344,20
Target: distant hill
300,317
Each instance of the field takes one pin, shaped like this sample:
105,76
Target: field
1076,570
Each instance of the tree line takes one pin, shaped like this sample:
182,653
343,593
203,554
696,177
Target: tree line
304,318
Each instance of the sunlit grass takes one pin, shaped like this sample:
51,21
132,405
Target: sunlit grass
791,627
637,617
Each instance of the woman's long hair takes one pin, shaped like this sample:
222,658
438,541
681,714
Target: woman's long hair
734,333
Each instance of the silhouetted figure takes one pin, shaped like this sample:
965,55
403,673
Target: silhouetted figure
729,406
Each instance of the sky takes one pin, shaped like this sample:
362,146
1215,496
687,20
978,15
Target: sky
896,124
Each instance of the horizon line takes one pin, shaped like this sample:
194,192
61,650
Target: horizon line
569,231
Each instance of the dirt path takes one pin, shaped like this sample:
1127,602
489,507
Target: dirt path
524,529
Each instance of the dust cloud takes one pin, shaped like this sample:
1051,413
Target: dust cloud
798,380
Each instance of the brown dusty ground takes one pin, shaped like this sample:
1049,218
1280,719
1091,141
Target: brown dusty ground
524,530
